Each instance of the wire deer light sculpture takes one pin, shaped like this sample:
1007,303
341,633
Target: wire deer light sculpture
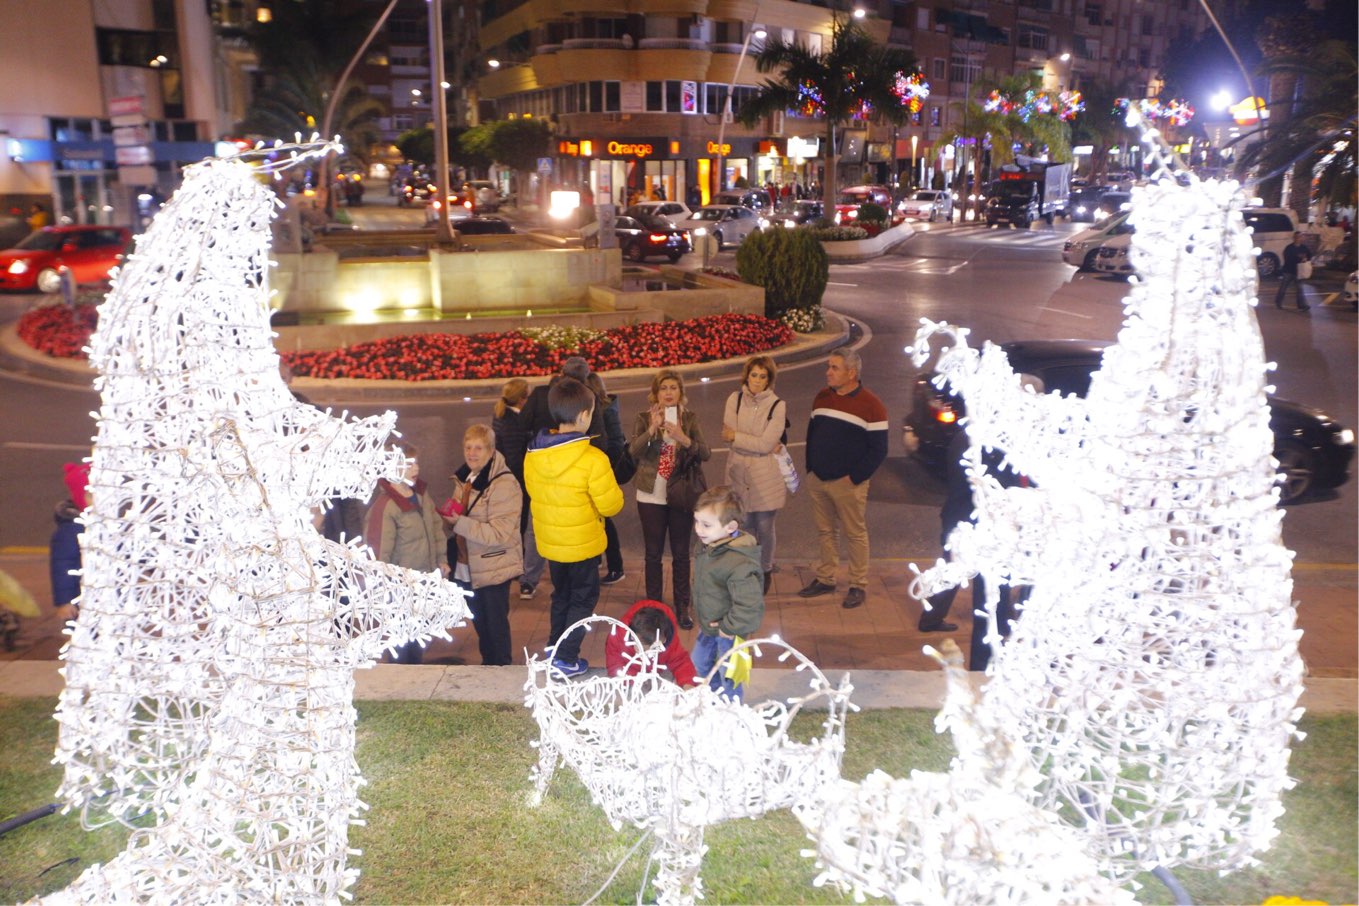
1153,676
672,760
209,679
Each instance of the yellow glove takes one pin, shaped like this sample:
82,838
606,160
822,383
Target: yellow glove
739,663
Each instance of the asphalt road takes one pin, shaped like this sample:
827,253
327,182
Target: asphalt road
1003,284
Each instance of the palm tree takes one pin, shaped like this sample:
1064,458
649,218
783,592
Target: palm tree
855,79
1101,124
1315,134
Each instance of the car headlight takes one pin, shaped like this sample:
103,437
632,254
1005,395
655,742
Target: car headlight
790,223
1343,438
700,232
18,267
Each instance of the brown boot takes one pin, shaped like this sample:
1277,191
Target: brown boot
685,621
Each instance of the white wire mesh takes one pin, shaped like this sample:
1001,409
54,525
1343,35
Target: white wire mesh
209,678
676,760
1154,673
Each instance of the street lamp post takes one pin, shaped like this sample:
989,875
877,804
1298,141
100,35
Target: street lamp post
443,230
915,167
726,107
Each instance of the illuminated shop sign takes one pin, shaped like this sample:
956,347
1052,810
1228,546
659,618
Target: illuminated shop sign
627,148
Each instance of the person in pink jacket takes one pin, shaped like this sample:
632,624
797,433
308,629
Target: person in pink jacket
648,619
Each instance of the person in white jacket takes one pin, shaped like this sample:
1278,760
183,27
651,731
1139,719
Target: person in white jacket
755,424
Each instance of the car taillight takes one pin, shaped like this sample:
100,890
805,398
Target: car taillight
658,237
943,411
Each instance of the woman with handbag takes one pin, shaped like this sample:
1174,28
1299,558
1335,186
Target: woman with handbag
668,447
484,545
754,424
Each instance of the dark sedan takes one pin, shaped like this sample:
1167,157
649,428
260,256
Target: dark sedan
807,210
484,226
643,237
1313,451
1084,204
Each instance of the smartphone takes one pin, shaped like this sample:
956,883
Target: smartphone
672,415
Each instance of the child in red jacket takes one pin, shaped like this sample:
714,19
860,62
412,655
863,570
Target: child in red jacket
649,619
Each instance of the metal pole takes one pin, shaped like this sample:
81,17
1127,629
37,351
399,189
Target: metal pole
443,230
726,107
329,116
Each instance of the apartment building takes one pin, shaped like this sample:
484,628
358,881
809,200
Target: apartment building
640,92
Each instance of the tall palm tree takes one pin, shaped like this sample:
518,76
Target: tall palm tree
1315,135
854,79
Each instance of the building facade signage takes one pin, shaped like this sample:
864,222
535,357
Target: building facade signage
618,148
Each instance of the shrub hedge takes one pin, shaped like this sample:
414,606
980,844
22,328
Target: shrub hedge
791,265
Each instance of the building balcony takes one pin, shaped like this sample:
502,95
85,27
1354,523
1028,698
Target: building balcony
570,63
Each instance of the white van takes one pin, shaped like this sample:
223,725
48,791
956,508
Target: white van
1082,249
1272,230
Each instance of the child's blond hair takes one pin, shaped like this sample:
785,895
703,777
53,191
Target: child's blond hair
723,501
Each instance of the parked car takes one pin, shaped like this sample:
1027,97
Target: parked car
1272,231
757,200
484,194
1111,202
1351,292
729,223
484,226
1313,451
648,235
1082,249
88,252
460,207
927,204
807,210
1112,257
673,211
847,205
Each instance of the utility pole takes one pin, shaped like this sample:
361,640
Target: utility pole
443,230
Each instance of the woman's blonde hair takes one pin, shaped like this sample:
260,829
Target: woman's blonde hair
760,361
513,394
481,431
667,374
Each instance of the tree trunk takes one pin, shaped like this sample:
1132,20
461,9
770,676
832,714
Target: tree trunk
829,190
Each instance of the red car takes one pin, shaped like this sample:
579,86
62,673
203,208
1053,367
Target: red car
88,252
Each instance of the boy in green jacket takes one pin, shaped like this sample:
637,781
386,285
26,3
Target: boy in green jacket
728,586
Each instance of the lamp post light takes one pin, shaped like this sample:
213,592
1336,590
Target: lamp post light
726,107
915,166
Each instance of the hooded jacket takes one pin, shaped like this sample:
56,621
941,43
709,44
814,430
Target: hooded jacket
729,587
572,489
490,525
64,553
618,648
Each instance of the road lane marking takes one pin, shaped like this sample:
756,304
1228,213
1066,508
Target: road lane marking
833,283
1063,311
30,445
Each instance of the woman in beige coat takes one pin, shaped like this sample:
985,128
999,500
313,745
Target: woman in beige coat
484,545
753,424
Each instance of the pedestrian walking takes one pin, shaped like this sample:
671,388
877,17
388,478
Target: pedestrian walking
1296,258
846,442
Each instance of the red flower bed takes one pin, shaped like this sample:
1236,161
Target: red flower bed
444,356
60,331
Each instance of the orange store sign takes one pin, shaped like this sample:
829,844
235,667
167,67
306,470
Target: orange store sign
725,148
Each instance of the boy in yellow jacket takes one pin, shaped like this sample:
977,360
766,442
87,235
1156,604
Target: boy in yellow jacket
571,490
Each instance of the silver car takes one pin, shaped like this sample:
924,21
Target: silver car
730,224
930,204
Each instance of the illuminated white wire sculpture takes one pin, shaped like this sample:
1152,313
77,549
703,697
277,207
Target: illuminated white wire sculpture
969,837
673,760
1154,672
209,679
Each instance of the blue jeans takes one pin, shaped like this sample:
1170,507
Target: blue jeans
707,650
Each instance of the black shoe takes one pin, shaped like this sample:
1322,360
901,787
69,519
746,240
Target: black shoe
940,627
814,588
685,621
526,591
612,576
853,598
768,578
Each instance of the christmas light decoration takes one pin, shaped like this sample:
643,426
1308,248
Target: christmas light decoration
674,761
1064,105
209,679
1153,674
1177,112
912,89
969,837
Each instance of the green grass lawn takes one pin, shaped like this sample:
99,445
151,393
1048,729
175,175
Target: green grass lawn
448,783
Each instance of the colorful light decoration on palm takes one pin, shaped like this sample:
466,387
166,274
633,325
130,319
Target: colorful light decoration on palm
1177,112
911,91
1063,105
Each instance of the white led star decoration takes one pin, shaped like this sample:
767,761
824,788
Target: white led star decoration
209,679
1153,675
673,760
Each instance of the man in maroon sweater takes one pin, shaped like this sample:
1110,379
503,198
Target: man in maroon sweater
846,442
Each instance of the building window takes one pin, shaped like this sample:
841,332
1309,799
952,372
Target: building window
1042,5
915,118
963,69
655,97
1144,58
1148,25
713,96
1094,13
672,96
1034,37
125,47
939,70
935,117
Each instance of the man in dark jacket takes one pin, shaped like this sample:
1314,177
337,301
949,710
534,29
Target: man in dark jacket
537,417
1294,254
846,442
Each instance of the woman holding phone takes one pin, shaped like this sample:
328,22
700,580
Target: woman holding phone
668,447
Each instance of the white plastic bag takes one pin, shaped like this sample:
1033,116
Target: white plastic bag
787,469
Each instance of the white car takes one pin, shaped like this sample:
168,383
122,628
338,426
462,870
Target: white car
928,204
484,193
1272,231
730,224
1082,249
673,211
1351,291
1112,256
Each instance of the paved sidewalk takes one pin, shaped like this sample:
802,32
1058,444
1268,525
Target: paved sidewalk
877,644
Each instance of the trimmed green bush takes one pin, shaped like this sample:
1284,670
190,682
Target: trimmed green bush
872,213
838,233
791,265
